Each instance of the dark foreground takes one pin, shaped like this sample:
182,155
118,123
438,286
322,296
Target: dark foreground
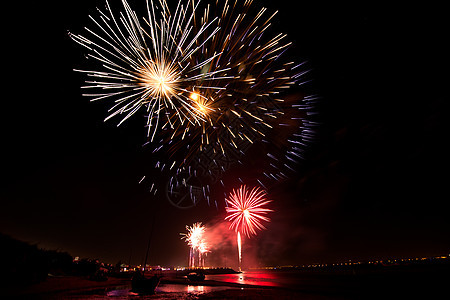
402,282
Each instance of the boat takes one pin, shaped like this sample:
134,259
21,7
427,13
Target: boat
196,276
142,285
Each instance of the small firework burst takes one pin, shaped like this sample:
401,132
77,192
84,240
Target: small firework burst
195,238
246,210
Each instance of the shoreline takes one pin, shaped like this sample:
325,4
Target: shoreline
62,284
55,285
82,288
65,287
360,284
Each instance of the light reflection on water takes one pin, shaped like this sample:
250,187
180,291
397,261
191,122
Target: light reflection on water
181,291
197,289
163,291
249,277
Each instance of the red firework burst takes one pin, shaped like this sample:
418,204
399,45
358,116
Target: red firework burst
246,210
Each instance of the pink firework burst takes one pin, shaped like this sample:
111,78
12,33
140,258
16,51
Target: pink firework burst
246,210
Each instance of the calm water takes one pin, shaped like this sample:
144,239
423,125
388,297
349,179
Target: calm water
180,291
275,278
346,285
265,278
163,291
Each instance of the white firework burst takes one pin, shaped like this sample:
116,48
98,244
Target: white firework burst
159,66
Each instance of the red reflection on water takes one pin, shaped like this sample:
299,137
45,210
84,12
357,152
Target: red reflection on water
255,278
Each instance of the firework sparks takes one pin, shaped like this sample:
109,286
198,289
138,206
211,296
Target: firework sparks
249,110
194,236
198,246
211,80
246,213
239,242
154,66
246,210
249,106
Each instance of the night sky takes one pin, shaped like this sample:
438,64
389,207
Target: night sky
373,186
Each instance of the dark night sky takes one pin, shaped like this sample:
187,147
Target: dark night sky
373,186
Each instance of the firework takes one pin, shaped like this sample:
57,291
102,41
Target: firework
156,66
239,243
249,109
246,213
211,79
246,210
198,245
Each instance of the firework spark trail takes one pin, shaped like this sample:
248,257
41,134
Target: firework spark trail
239,242
246,213
196,240
243,95
157,67
249,107
203,249
211,79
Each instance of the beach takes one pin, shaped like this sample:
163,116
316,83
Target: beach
393,281
170,287
81,288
